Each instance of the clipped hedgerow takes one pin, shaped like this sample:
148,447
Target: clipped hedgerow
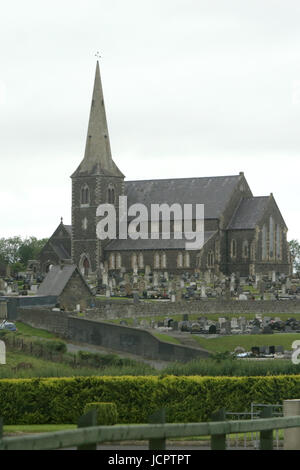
185,399
107,413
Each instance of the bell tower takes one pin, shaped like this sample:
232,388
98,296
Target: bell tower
97,180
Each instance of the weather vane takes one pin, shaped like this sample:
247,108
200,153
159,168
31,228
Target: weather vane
98,55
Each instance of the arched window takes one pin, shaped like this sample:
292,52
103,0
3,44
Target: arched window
111,195
210,259
112,261
245,249
252,251
164,260
217,249
233,248
118,261
156,261
141,260
264,243
134,261
278,242
179,260
186,259
85,195
86,267
271,238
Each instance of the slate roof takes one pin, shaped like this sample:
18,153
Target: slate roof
60,250
68,229
214,192
57,279
133,245
248,213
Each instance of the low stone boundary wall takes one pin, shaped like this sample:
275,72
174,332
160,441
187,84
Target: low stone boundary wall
114,309
115,337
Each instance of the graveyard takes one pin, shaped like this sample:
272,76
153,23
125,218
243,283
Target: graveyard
257,316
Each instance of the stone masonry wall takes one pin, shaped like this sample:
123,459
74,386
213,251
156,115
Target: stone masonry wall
121,309
115,337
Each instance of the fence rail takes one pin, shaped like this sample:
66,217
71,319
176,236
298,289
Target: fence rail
152,432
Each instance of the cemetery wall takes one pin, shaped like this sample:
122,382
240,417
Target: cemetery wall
116,337
121,309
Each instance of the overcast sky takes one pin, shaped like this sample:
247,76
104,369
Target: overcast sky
191,88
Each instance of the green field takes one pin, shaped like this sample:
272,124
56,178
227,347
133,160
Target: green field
229,343
27,330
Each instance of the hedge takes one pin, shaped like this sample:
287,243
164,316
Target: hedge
186,399
107,413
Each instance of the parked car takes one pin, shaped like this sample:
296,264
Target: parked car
5,325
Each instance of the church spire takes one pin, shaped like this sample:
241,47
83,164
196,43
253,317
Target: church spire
97,156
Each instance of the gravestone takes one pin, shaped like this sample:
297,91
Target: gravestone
255,331
203,292
2,353
105,279
267,330
212,330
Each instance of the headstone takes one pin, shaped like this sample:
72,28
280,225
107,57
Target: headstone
147,270
267,330
105,279
155,279
234,323
203,292
136,298
243,297
212,330
2,353
255,331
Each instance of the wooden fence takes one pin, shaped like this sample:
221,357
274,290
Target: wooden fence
88,435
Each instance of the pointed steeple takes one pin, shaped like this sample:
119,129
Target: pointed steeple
97,157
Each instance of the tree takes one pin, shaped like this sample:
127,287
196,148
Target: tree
30,249
295,253
9,248
16,251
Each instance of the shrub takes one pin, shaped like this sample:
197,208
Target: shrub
106,412
185,399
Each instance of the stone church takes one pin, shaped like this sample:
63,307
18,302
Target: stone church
243,233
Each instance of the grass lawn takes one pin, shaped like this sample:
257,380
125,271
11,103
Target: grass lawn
229,343
27,330
167,338
36,428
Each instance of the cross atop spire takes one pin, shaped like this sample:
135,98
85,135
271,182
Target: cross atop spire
97,156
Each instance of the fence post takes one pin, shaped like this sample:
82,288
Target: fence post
85,421
218,441
266,437
159,417
291,435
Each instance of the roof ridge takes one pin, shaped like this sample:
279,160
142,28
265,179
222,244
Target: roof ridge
187,178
